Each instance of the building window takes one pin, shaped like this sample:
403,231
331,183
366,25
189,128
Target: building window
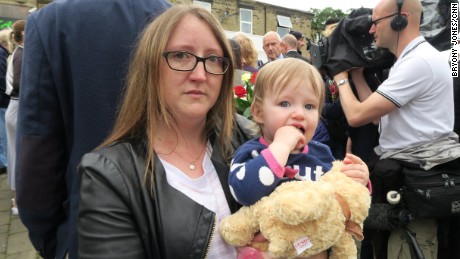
205,5
246,20
284,25
282,31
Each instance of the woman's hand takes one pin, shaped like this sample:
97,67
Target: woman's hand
252,253
356,169
248,252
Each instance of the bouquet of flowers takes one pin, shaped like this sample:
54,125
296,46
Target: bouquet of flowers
244,94
333,89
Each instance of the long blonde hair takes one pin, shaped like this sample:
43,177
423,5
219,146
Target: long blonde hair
5,40
248,49
143,107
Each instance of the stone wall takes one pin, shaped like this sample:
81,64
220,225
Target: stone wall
264,15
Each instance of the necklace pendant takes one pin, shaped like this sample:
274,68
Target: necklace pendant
192,166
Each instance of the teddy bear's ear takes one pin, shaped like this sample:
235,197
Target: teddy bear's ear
356,195
302,201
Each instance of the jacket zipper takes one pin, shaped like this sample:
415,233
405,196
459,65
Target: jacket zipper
212,235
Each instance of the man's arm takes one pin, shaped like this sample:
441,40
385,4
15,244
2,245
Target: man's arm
361,113
361,86
41,156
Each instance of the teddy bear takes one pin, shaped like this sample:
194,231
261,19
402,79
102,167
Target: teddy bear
304,218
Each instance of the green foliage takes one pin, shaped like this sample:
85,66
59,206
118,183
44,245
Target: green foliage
320,17
244,94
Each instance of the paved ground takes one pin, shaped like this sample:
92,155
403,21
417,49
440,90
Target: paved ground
14,242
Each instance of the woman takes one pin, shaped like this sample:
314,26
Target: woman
157,187
248,52
11,115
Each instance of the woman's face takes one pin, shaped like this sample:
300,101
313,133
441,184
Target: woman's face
189,95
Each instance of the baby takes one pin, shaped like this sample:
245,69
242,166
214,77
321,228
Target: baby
288,97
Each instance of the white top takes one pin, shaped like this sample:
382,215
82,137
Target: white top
420,85
208,192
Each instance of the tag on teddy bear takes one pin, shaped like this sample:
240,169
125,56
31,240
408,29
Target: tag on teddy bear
302,244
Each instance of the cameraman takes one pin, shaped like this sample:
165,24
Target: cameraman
409,105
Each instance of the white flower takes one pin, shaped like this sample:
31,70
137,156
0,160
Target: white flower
246,77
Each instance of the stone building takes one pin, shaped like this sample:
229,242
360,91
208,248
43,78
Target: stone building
12,10
250,16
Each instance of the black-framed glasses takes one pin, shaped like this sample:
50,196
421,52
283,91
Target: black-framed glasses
375,22
186,61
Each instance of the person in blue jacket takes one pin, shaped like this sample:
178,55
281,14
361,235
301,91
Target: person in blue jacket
288,97
6,46
76,56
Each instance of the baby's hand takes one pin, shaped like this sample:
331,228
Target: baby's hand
252,253
356,169
248,252
290,136
286,140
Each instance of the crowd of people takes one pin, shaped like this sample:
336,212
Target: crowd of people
12,42
125,143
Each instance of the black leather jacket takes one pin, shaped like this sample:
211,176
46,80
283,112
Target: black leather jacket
120,218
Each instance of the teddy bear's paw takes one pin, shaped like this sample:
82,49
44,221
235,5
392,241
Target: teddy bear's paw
236,237
239,228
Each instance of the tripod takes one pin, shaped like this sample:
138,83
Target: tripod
391,215
403,218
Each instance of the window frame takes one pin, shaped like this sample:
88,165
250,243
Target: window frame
284,21
245,22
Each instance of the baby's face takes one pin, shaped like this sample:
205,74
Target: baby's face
295,105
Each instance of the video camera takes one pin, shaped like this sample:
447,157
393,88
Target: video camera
350,45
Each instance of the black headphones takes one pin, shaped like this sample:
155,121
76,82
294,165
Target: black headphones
399,22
